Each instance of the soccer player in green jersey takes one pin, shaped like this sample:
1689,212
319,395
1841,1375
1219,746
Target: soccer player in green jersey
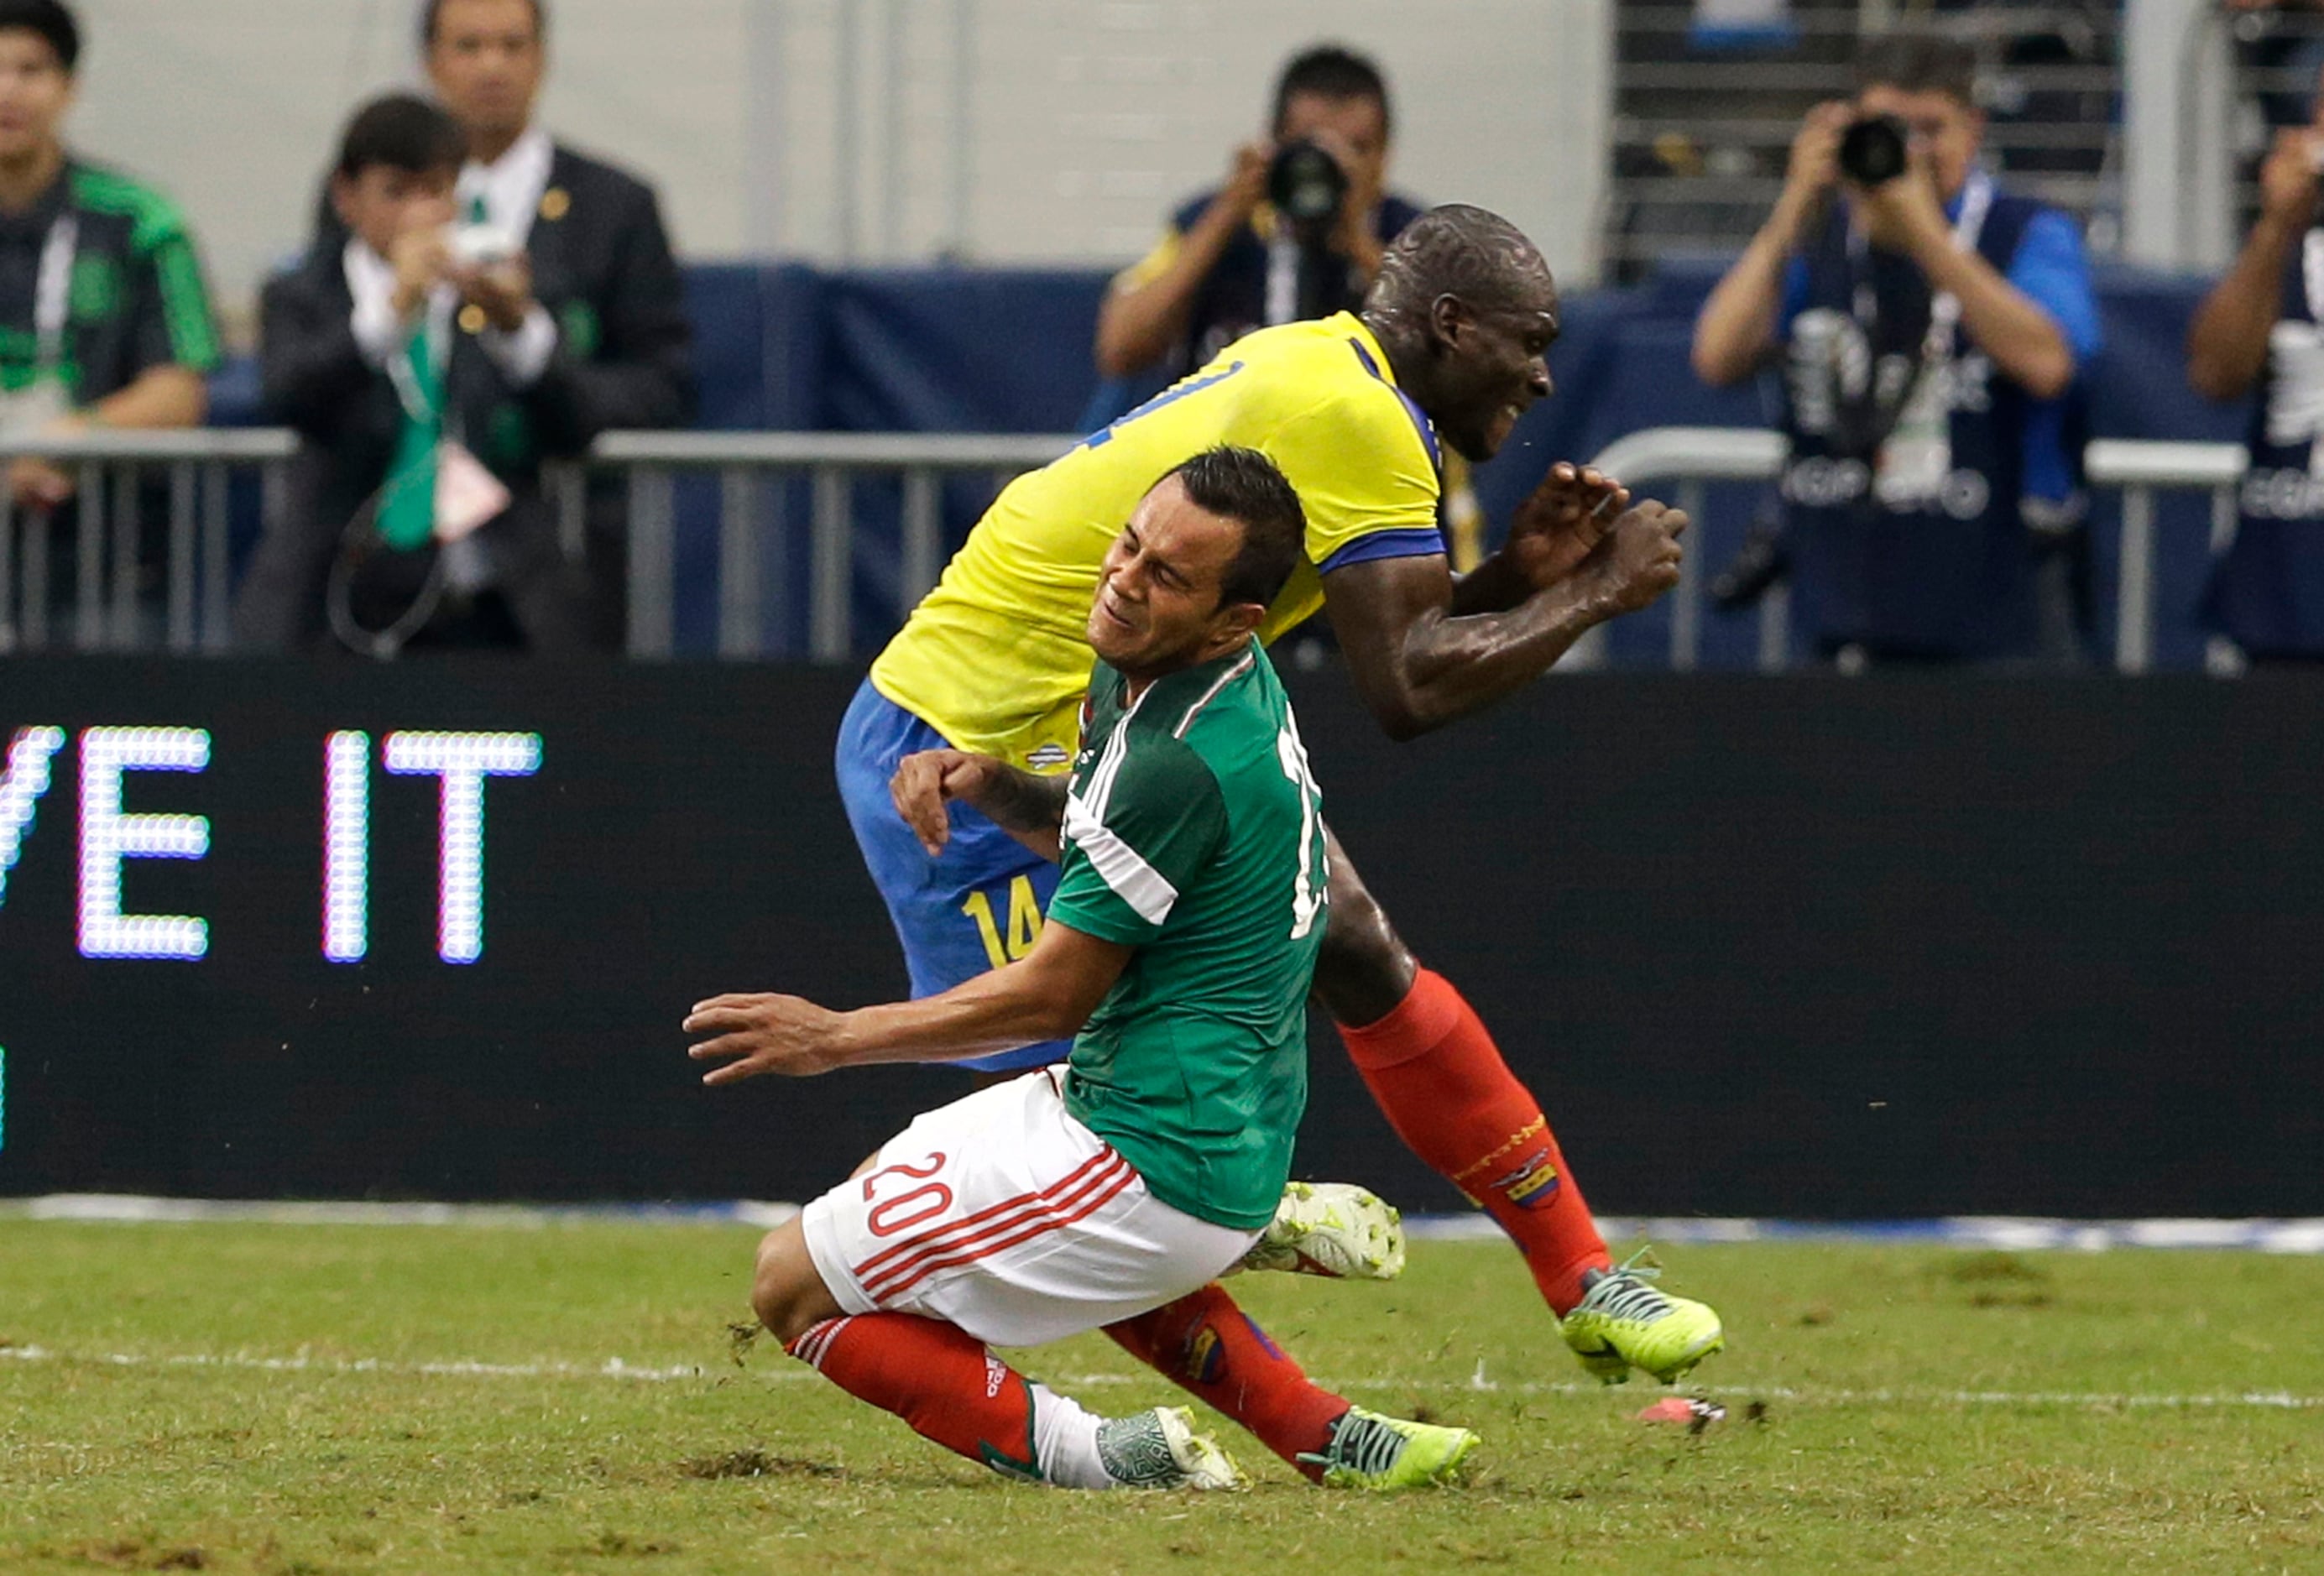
1178,952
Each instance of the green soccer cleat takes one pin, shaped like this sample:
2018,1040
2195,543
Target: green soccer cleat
1331,1229
1160,1449
1624,1322
1368,1450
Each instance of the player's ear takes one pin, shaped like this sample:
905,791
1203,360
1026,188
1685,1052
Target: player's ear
1236,622
1449,320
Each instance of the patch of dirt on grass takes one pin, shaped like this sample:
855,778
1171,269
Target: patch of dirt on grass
753,1463
136,1554
1999,1280
615,1543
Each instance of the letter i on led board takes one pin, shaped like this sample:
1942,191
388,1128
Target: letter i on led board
347,847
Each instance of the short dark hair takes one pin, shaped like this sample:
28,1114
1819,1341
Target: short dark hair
52,20
403,132
1918,62
1456,250
432,13
1244,485
1331,72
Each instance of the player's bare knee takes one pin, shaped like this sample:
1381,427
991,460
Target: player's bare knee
786,1292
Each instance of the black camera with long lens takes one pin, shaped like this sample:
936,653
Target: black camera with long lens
1306,186
1872,150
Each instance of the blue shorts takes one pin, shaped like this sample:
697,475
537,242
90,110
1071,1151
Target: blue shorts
971,910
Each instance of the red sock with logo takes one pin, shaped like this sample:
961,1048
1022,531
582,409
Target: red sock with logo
1435,1071
938,1378
1211,1348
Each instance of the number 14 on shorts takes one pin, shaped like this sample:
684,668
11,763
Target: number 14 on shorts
1024,922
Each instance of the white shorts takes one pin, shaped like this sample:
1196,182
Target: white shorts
1003,1215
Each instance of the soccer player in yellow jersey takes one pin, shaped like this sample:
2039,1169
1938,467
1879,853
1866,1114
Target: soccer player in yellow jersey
1448,349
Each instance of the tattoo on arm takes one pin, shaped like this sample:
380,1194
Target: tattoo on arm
1019,801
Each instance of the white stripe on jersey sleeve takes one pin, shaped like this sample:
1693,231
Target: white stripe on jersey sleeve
1146,890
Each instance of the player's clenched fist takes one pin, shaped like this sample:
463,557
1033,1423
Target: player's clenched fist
924,781
764,1034
1639,559
1562,521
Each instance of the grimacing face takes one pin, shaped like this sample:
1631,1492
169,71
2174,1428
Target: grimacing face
1157,607
35,91
486,63
1949,129
1494,369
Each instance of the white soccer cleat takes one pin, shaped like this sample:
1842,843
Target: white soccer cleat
1160,1450
1332,1228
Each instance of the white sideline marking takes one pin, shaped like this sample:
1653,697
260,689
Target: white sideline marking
613,1368
2017,1233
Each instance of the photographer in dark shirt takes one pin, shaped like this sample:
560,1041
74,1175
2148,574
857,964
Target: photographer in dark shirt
2259,335
1931,327
1295,232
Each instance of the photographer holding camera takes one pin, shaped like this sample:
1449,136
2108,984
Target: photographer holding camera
2262,326
1297,231
1930,328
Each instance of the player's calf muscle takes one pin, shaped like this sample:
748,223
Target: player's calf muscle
1363,971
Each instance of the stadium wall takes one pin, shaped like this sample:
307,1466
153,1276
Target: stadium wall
1808,947
890,131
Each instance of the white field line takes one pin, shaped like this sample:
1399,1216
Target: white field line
2012,1233
614,1368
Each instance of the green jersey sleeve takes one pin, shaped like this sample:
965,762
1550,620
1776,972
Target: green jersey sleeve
1138,835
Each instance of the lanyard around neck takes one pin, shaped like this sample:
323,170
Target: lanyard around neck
2311,272
52,295
1944,307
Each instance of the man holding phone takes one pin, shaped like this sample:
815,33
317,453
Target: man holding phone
575,264
558,314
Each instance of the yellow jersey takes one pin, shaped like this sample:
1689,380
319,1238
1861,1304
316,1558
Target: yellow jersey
997,658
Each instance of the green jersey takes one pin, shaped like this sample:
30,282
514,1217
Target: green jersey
126,294
1193,831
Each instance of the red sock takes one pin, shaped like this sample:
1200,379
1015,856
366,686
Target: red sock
938,1378
1210,1347
1437,1075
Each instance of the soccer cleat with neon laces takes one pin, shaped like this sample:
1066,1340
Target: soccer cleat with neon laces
1625,1321
1160,1449
1331,1229
1369,1450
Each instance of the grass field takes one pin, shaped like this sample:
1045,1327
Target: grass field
312,1398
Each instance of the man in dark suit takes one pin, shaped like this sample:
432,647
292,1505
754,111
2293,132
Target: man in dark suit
569,321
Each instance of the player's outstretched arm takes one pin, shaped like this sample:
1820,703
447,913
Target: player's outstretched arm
1029,808
1046,995
1419,663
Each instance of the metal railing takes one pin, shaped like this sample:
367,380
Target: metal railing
743,461
1691,457
111,470
118,474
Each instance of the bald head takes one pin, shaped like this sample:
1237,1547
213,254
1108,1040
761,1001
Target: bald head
1465,307
1460,251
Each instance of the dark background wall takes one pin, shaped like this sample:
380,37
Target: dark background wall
1808,946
